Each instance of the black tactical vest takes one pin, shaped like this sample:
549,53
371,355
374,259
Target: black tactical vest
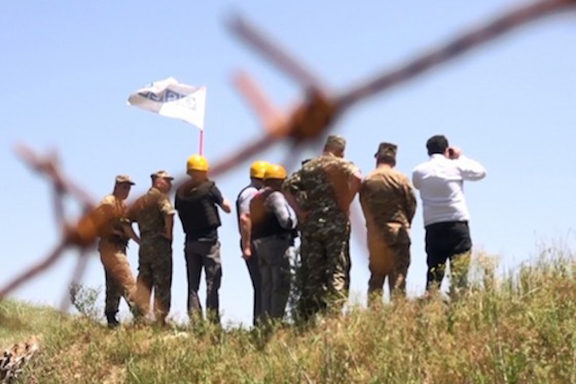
264,222
196,207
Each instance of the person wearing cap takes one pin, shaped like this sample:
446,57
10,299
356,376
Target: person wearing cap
389,204
330,183
114,239
272,224
440,181
257,170
155,217
197,203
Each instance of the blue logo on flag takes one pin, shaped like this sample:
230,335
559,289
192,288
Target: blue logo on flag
169,96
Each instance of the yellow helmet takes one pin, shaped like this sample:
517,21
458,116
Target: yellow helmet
275,171
197,163
258,168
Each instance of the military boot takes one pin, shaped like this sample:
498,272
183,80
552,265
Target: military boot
111,319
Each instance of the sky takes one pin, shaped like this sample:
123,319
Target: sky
69,66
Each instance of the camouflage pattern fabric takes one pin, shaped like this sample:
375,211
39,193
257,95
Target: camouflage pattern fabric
293,185
119,279
389,204
325,253
149,211
112,247
116,210
155,275
155,254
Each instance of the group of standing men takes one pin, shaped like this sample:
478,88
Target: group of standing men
320,193
313,203
197,203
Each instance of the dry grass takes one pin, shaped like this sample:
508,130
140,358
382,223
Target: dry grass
514,330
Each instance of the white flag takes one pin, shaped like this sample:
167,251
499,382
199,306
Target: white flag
170,98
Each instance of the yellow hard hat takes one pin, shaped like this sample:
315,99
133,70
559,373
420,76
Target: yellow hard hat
258,168
197,163
275,171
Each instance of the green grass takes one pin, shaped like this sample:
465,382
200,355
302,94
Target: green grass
514,330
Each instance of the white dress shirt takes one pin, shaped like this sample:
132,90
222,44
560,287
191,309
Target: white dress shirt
440,182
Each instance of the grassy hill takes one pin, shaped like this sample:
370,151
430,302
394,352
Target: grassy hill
516,330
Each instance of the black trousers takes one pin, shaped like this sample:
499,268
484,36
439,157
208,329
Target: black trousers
204,255
445,241
254,272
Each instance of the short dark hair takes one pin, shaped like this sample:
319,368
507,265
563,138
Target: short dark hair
437,144
385,159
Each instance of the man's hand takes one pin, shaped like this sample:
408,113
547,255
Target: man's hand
246,253
454,153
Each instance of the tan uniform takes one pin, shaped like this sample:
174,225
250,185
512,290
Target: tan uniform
119,279
389,204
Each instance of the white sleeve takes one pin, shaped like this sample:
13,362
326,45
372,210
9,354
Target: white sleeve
470,170
416,178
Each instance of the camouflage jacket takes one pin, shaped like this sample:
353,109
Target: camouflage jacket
150,211
115,212
322,188
389,204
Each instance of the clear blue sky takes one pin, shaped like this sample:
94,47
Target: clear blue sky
69,66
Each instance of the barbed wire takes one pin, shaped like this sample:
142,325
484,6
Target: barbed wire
306,125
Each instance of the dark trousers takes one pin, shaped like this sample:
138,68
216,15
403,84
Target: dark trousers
254,271
274,264
204,255
444,241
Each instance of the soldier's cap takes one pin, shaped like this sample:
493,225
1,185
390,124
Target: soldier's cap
124,179
336,141
162,174
387,150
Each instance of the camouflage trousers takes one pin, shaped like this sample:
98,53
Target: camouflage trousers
119,279
155,275
386,260
326,259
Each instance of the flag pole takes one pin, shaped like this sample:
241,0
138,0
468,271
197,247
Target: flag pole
201,142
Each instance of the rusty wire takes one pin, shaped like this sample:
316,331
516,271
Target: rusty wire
305,125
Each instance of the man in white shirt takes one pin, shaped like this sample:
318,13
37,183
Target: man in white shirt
440,182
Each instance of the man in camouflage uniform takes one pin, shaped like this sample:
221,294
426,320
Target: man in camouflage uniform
114,239
293,186
155,217
330,183
389,204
